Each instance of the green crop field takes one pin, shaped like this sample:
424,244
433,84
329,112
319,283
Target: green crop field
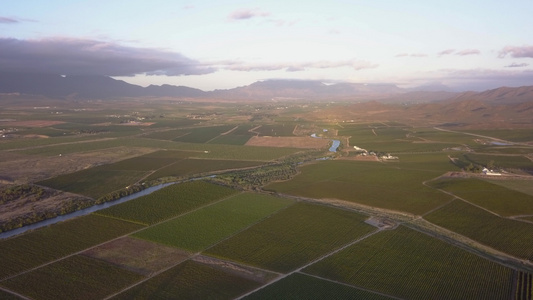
46,244
507,235
76,277
293,237
188,167
191,280
202,228
491,196
275,130
304,287
516,162
168,202
514,135
231,139
151,161
95,182
203,134
369,183
408,264
167,135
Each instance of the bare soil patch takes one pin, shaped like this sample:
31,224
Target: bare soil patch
137,255
247,272
288,142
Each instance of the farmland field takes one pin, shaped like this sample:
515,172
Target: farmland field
204,227
35,248
491,196
408,264
191,280
304,287
77,277
292,237
188,167
202,134
275,207
399,189
168,202
510,236
95,182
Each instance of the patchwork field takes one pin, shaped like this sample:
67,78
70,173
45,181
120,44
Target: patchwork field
273,216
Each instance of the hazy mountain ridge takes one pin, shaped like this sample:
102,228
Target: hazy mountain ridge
102,87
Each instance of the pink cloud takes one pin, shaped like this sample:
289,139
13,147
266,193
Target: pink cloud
411,55
243,14
524,51
515,65
468,52
446,52
6,20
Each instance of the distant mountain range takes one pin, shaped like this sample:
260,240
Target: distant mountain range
102,87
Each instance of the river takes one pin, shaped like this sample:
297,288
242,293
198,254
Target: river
334,146
82,212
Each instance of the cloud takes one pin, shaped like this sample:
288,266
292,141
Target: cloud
446,52
516,52
244,14
6,20
468,52
295,67
70,56
411,55
515,65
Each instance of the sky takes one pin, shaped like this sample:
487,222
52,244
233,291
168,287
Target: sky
464,45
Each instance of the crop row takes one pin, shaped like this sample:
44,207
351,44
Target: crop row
507,235
408,264
300,286
292,237
191,280
491,196
78,277
50,243
369,183
168,202
202,228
